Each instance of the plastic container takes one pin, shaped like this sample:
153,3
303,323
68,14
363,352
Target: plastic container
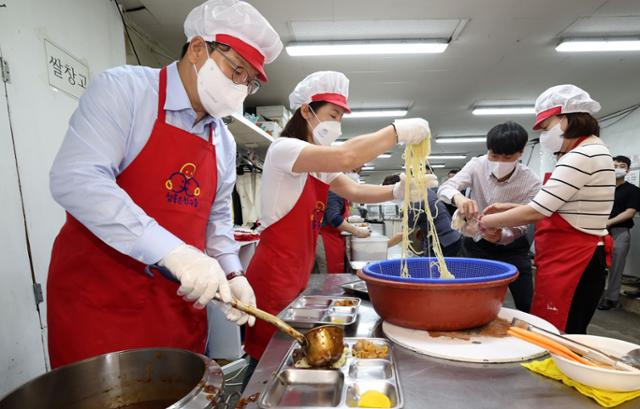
371,248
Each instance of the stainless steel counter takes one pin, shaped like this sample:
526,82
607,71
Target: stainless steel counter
436,383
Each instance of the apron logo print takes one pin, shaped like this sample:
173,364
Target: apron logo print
182,186
318,215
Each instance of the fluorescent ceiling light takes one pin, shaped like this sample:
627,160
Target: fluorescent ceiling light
377,113
445,157
503,110
368,167
439,166
366,47
384,156
460,139
578,46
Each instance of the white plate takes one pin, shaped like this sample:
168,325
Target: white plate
478,348
607,379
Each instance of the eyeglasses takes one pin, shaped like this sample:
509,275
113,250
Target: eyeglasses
240,74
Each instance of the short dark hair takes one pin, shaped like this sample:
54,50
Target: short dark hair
507,138
391,180
581,124
183,52
297,125
622,159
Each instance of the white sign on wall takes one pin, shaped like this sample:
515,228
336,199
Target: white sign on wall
66,72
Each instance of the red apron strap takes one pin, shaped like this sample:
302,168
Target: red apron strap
211,132
608,248
162,94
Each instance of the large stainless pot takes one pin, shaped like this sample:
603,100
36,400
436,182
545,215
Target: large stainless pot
133,379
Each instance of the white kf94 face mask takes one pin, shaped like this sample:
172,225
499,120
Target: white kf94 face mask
219,95
501,169
326,132
620,173
552,139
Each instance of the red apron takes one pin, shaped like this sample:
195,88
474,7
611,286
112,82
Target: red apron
562,255
335,244
100,300
281,266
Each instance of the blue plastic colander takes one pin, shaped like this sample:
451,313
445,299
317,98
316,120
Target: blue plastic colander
425,270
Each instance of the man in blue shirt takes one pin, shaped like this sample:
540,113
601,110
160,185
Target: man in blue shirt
146,173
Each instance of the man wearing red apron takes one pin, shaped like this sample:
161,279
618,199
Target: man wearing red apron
571,210
146,173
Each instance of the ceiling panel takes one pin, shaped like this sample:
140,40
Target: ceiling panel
505,52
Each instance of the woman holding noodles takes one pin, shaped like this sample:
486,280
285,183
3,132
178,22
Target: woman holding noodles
300,168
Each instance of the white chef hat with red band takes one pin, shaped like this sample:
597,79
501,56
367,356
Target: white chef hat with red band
327,86
238,25
563,99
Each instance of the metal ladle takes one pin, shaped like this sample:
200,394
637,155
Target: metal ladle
323,346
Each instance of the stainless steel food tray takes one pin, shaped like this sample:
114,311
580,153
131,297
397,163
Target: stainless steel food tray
307,311
356,287
333,388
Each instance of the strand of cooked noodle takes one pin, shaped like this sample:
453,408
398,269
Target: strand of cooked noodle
415,160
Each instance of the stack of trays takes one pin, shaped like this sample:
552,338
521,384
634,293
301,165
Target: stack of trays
308,311
334,388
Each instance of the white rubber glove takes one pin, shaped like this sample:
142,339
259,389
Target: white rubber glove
415,194
411,130
201,276
398,188
468,227
362,232
241,289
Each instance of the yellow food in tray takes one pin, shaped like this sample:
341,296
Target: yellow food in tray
374,399
345,303
368,350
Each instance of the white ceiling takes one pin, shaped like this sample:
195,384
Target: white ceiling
502,50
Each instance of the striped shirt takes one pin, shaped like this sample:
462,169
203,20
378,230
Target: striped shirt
485,189
581,188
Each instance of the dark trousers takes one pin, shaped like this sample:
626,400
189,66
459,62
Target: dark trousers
585,299
516,253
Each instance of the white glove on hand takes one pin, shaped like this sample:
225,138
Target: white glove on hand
411,130
431,181
362,232
415,194
466,227
241,289
201,276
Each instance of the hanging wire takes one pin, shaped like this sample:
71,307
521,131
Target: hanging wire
618,116
126,30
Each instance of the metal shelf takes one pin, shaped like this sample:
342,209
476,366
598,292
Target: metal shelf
248,135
